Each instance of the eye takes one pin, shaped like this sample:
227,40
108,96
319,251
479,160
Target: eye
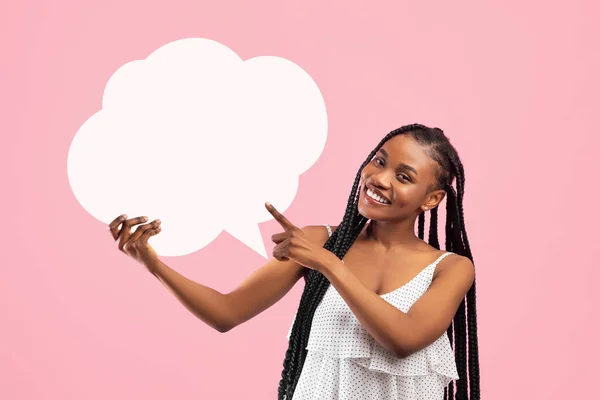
378,160
404,177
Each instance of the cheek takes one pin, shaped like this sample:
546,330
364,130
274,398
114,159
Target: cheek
365,171
406,194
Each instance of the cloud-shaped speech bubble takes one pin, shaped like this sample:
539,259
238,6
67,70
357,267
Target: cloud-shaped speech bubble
199,138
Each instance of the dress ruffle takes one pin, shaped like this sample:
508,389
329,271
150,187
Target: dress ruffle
326,377
366,352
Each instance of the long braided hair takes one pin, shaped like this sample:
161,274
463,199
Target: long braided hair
463,330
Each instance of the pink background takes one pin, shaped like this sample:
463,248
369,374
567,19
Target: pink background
511,83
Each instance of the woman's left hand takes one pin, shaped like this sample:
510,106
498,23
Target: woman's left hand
294,244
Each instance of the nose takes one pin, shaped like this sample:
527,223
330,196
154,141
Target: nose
381,179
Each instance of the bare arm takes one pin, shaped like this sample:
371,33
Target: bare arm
204,302
259,291
427,319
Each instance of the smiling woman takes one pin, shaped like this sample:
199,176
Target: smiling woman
384,314
350,341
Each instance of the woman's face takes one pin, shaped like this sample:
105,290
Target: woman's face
398,175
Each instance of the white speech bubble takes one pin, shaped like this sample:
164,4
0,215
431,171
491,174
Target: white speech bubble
197,137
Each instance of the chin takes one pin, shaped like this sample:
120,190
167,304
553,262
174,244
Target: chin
369,214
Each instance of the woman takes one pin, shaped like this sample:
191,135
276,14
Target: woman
380,307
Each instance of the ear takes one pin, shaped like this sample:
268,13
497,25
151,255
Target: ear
433,199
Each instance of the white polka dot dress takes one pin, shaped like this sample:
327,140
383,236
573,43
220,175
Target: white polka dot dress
344,361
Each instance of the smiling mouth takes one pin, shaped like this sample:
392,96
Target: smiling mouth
375,197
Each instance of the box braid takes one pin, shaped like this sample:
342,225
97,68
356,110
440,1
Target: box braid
464,324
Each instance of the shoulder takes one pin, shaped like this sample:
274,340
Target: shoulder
456,268
318,232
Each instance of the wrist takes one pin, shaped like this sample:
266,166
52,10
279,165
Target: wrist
329,263
153,266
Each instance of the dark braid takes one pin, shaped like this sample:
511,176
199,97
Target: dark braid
471,304
449,392
450,167
433,233
421,226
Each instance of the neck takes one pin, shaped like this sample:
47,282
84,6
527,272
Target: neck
392,234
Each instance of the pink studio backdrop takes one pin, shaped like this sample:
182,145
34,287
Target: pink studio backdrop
513,84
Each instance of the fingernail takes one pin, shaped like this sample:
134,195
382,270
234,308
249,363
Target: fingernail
158,221
144,218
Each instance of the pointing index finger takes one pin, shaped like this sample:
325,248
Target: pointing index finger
279,217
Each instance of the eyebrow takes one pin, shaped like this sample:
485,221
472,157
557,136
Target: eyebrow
401,165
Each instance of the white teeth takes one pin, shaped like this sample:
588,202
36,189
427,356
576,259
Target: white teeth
376,197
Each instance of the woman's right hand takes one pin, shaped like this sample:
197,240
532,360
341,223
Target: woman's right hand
136,244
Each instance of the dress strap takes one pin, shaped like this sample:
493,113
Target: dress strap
447,253
440,258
